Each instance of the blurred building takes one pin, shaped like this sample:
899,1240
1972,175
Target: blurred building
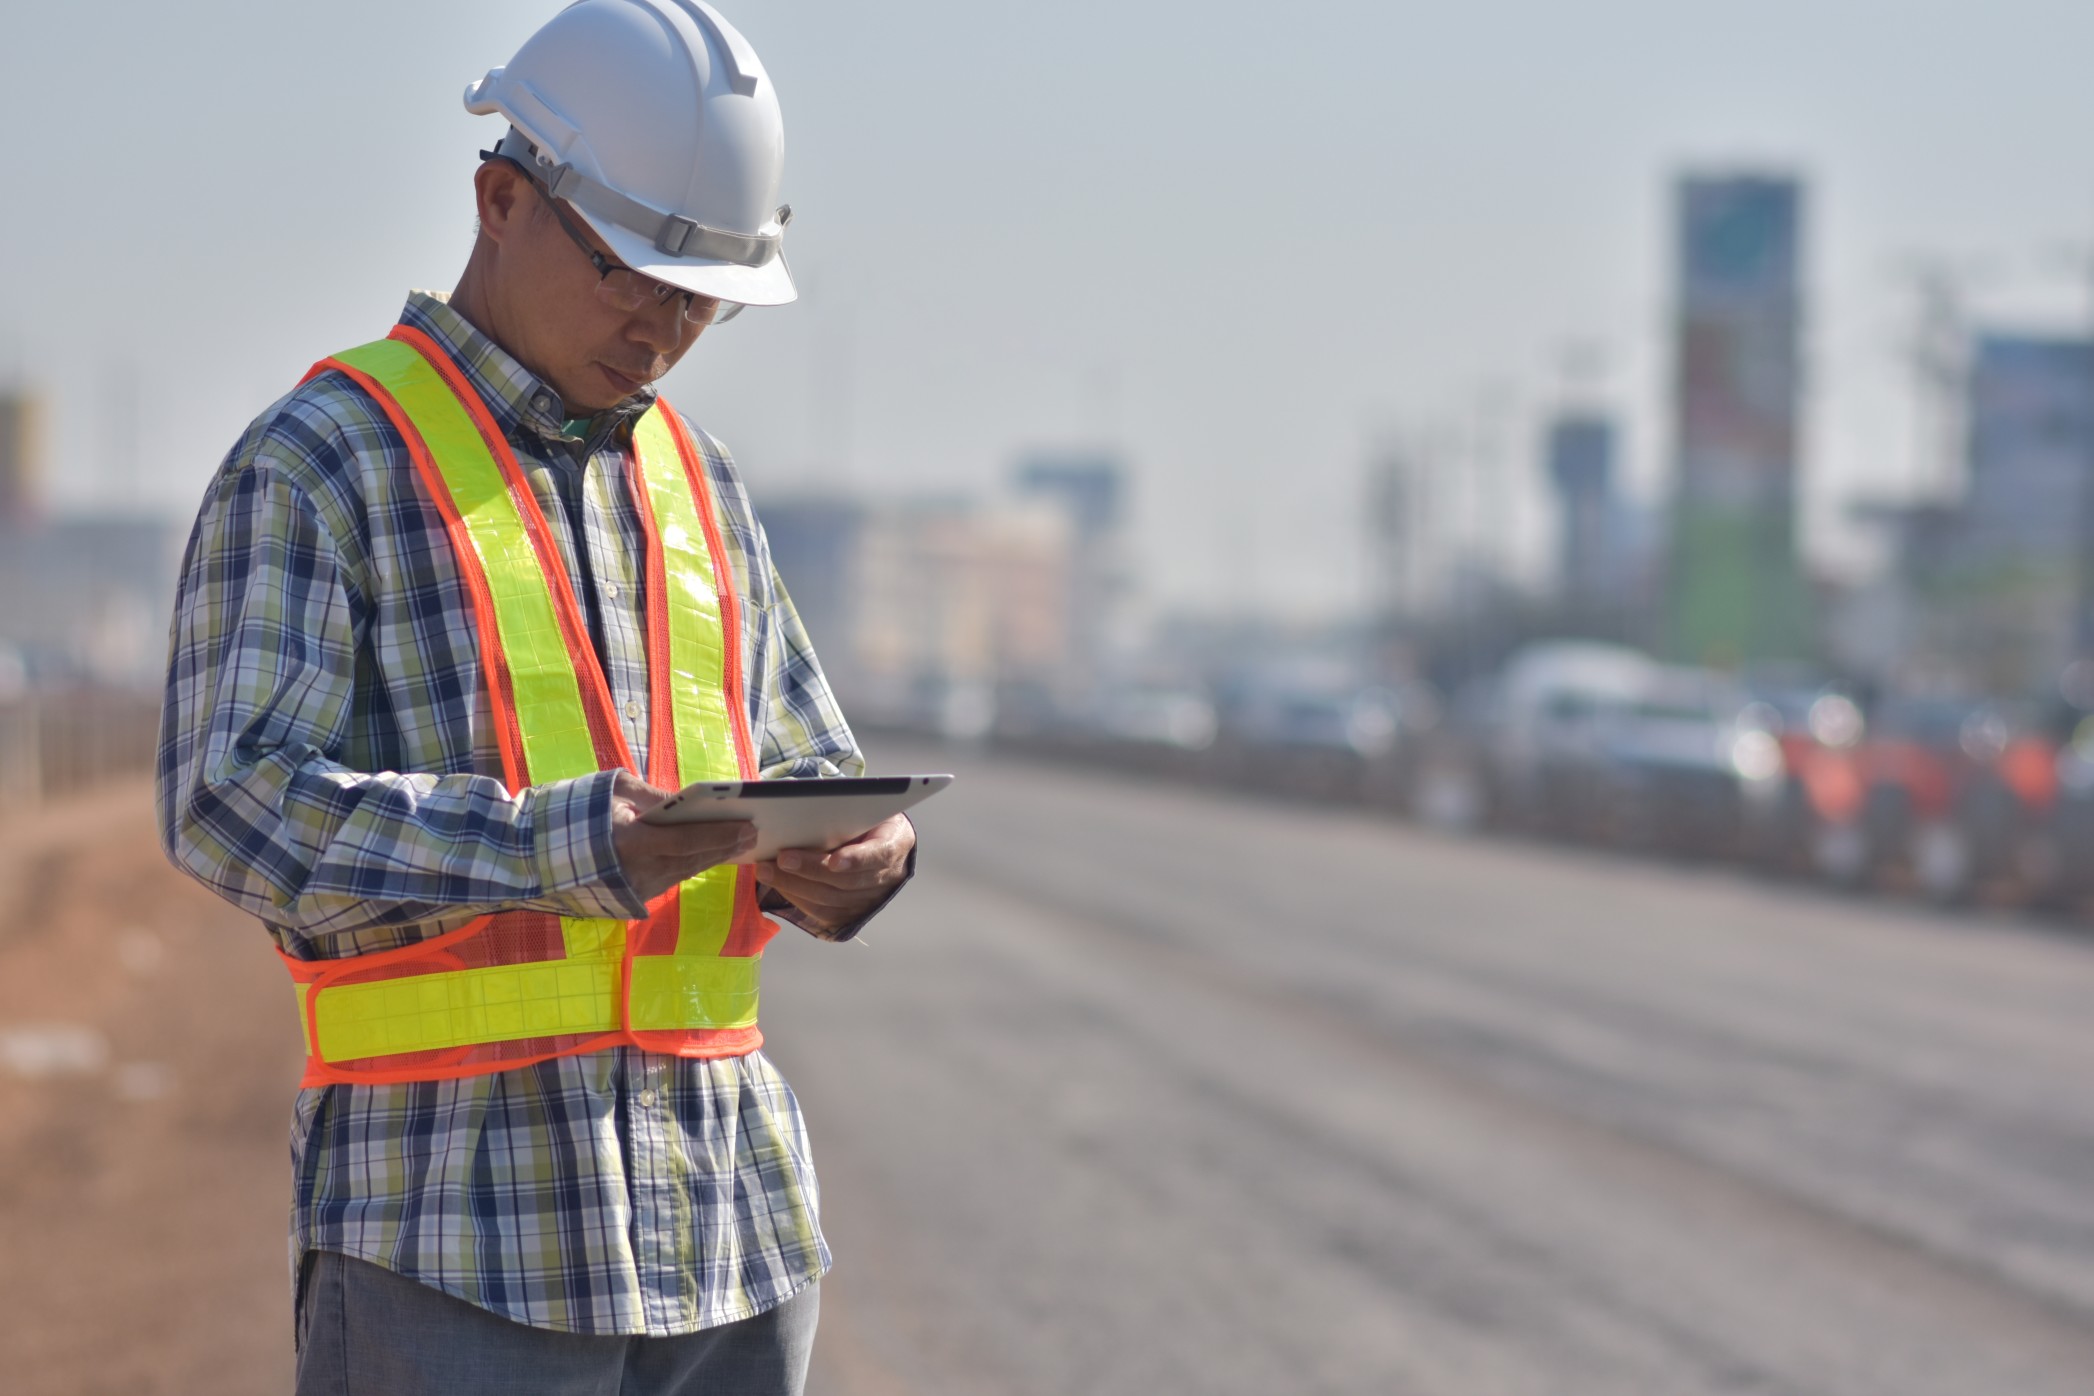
937,612
1734,590
1089,486
1593,570
82,597
962,610
1089,490
2014,587
1892,627
814,545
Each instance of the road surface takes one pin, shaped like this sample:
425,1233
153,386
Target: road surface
1147,1090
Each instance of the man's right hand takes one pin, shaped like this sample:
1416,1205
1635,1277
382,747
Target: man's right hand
655,857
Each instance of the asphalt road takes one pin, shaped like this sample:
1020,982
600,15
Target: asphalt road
1148,1091
1143,1090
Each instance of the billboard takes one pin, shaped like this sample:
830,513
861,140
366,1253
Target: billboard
1735,593
1736,340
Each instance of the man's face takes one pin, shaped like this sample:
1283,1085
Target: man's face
542,295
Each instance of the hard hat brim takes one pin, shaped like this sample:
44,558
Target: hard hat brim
769,284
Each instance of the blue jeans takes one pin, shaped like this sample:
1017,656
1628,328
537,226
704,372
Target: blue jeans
365,1331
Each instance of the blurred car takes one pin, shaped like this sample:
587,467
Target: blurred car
1687,766
2007,811
1306,738
1149,728
2061,872
1918,760
1813,823
1391,774
1449,780
1541,745
1158,729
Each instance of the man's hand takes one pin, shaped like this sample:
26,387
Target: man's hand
655,857
833,889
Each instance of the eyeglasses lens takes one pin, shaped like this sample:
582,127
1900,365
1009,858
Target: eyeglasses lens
626,290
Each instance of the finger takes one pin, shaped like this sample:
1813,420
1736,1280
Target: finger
636,792
892,836
868,852
823,898
814,868
807,892
853,858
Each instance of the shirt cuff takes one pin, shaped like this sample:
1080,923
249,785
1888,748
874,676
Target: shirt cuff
572,851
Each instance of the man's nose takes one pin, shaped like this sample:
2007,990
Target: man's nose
662,328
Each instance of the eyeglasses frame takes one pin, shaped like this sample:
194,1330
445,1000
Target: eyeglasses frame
606,265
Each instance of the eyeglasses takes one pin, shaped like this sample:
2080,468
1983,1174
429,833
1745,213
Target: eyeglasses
624,289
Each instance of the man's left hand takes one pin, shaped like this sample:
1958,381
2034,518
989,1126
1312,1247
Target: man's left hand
833,889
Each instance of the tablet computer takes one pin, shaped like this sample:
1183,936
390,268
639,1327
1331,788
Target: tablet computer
812,813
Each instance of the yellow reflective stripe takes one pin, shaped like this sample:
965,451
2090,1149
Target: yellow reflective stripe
697,649
549,711
593,939
705,911
697,669
695,991
500,1003
464,1007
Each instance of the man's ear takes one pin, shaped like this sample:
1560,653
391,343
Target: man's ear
500,190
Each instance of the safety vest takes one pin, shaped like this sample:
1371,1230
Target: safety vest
517,987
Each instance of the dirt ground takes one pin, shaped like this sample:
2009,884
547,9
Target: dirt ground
148,1055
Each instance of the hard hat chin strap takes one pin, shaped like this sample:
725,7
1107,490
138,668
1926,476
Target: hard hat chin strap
672,234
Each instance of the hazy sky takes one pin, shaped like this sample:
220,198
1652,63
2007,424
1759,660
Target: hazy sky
1242,241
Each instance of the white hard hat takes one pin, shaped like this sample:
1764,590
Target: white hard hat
656,121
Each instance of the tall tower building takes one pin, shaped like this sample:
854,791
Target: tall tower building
1734,590
2017,582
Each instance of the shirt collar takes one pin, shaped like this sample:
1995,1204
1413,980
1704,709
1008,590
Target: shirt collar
518,398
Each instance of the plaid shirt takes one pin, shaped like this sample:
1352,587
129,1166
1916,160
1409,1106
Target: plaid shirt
327,762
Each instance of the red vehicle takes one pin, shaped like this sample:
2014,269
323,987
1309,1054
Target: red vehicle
1957,794
1813,826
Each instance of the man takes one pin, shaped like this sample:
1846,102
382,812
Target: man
444,605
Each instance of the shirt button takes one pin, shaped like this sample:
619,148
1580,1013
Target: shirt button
542,403
611,591
647,1099
632,709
